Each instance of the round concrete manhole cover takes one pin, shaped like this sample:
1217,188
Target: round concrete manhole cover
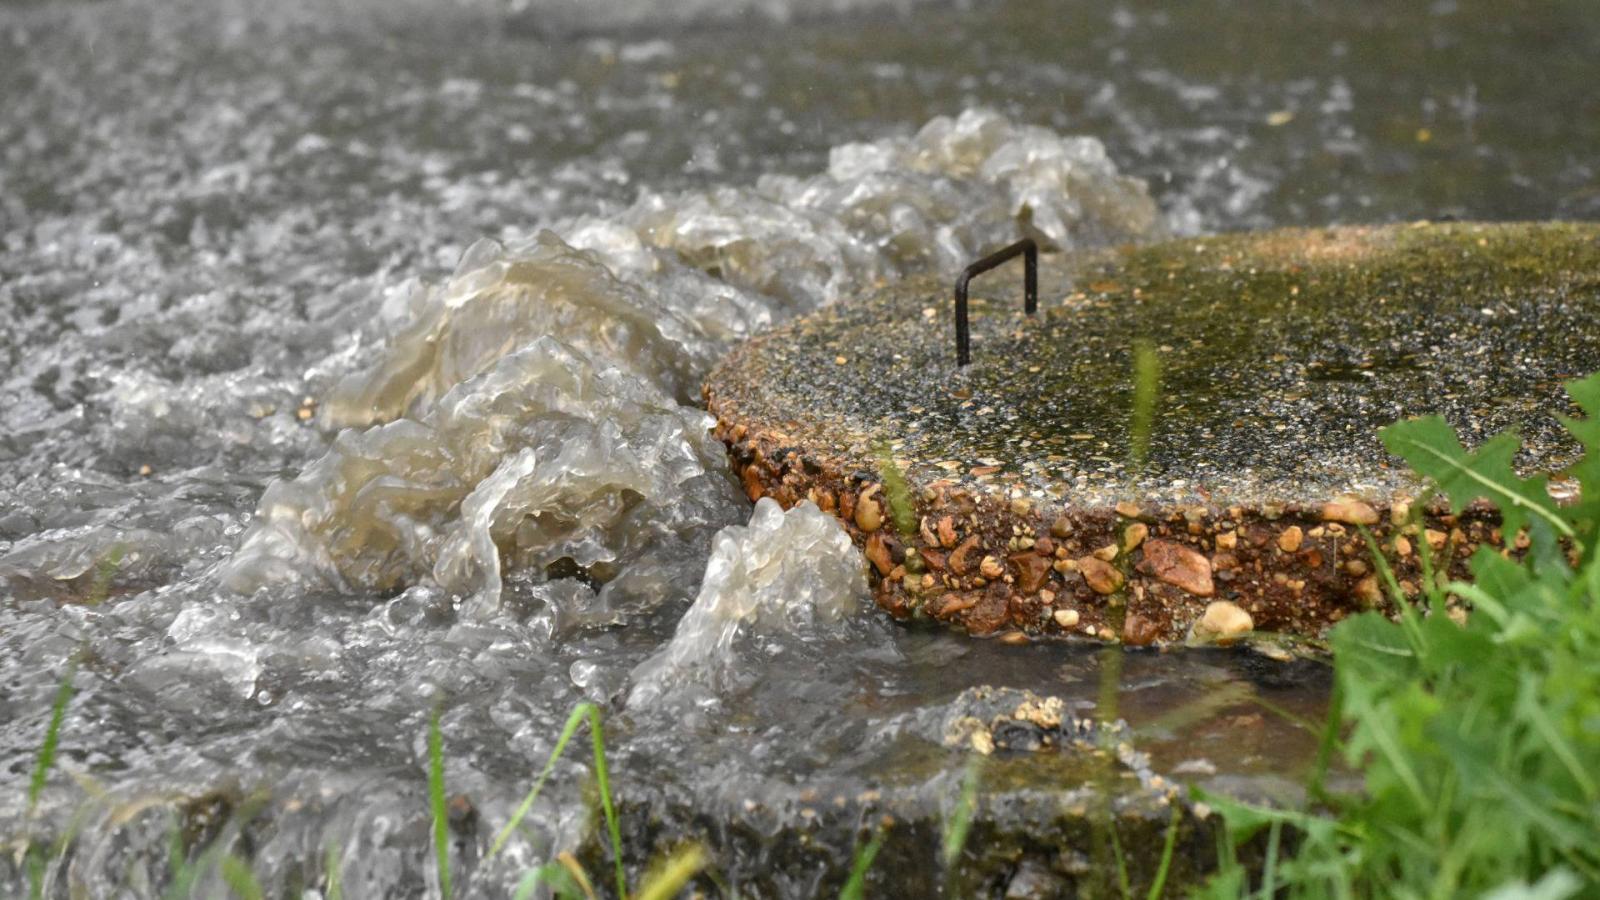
1184,434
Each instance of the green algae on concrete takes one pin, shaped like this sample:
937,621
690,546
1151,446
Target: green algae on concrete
1280,355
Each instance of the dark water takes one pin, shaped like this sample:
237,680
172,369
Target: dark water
228,230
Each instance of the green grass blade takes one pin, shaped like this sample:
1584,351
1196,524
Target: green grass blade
237,876
561,883
579,713
1269,877
1122,861
178,866
46,757
855,888
436,801
334,889
1160,883
960,821
35,865
665,882
1535,714
603,778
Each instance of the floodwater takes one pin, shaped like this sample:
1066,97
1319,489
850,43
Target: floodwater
349,359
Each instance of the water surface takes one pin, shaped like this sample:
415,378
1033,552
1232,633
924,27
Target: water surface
228,231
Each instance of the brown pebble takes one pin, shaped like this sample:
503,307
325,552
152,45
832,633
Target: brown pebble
959,561
1066,618
752,483
1368,592
1179,566
1399,511
1135,535
1106,553
1128,510
1101,576
990,567
1289,540
1350,511
869,515
1137,631
1227,540
877,553
1061,527
1033,571
988,615
1223,622
947,532
954,603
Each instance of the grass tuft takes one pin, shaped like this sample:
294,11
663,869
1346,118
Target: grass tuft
436,802
1477,740
583,712
603,780
959,824
334,888
45,759
855,888
237,876
1159,883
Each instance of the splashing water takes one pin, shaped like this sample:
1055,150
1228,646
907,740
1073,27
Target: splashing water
534,411
518,468
792,573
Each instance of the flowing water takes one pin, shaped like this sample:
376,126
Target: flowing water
350,355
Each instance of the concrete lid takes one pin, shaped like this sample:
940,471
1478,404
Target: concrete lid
1280,355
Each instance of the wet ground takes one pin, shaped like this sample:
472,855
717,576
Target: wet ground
228,230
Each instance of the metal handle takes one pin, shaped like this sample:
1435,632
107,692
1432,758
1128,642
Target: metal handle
1030,286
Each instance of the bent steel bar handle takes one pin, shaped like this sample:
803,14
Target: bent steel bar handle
1030,286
